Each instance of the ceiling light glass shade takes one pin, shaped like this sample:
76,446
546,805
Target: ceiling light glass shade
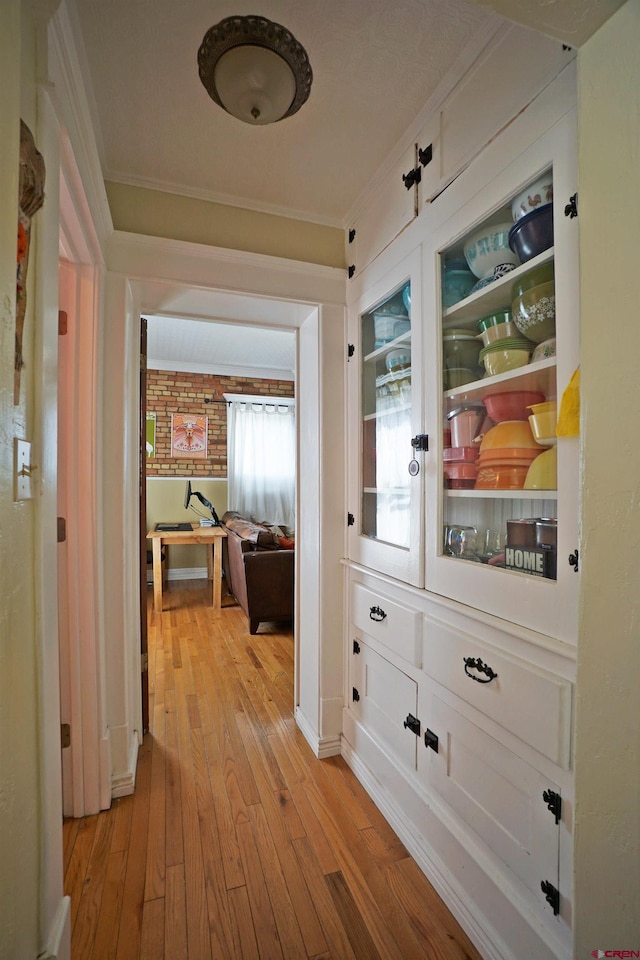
255,69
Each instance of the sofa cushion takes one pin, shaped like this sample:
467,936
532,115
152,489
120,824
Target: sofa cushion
248,530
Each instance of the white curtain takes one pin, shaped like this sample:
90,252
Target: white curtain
261,458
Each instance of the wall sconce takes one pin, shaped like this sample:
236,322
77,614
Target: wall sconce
254,69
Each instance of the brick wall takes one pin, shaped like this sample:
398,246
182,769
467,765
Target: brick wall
171,392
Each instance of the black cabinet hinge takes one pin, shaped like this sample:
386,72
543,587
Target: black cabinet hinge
351,270
356,646
573,559
426,156
61,530
431,740
551,895
571,209
553,801
350,519
355,696
352,235
420,441
351,349
411,178
412,723
65,735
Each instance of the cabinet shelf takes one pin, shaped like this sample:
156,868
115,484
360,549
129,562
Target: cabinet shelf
381,414
501,494
391,345
495,296
534,376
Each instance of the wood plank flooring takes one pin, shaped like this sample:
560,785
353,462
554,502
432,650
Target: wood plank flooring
238,843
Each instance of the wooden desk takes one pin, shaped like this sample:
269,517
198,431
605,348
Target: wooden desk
197,534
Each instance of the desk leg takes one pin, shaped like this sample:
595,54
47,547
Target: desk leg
216,548
157,574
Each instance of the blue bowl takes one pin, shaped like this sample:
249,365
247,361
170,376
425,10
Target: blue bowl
533,233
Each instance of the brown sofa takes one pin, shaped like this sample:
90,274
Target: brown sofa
258,571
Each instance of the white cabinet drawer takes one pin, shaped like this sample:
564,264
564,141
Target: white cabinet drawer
387,621
529,702
496,793
382,697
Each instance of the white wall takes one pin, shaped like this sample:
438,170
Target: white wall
607,817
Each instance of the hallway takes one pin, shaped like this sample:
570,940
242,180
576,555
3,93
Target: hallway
238,842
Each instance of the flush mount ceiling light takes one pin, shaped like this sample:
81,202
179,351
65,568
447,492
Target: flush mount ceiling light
254,69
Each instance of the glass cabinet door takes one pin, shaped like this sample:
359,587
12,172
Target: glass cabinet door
386,419
502,508
389,473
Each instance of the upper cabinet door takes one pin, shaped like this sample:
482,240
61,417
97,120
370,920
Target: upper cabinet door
385,417
390,206
502,489
515,66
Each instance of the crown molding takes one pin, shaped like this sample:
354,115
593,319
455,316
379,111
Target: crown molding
224,199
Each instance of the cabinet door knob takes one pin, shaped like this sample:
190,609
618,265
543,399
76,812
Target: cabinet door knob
377,614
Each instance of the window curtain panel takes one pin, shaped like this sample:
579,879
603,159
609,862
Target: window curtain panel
261,460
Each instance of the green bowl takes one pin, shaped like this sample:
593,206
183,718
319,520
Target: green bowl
502,316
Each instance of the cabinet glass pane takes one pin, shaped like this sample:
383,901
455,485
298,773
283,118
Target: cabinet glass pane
499,501
386,418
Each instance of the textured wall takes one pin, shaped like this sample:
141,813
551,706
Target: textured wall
171,392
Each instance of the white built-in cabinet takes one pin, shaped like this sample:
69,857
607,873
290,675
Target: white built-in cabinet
460,673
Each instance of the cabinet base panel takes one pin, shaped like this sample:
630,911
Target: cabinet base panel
502,927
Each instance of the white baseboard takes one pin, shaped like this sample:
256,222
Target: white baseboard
124,782
439,876
58,943
321,746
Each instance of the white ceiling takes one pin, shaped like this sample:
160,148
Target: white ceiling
375,65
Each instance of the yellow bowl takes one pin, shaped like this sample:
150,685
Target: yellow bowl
543,472
543,425
499,361
508,434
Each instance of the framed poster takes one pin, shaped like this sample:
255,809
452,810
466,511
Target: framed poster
188,436
151,434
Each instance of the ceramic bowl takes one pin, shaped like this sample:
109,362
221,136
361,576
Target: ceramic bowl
533,233
543,426
503,331
511,406
488,248
514,434
500,316
544,350
461,350
456,285
505,355
398,359
534,313
543,472
406,297
537,194
543,273
501,476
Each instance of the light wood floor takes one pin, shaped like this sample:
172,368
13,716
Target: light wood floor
238,843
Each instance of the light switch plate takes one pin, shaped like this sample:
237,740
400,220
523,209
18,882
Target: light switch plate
23,488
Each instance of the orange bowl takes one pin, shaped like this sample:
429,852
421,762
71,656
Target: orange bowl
501,476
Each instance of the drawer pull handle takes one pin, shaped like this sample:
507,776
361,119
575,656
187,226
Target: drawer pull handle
377,614
475,663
